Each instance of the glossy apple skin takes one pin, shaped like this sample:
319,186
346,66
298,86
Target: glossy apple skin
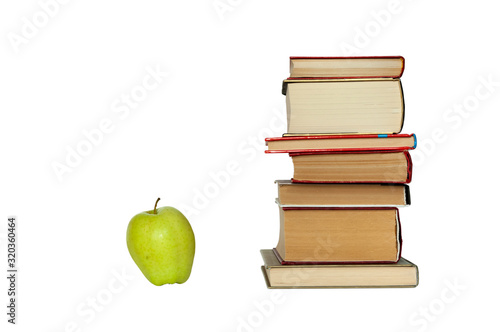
162,245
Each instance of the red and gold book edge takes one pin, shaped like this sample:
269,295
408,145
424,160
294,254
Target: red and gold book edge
351,57
409,165
376,149
343,150
291,138
400,238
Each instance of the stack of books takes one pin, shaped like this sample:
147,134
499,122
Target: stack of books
339,217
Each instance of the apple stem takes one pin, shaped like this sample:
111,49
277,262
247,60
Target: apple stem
154,211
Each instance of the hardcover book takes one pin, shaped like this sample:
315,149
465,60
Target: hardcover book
328,235
352,167
342,195
341,143
400,274
346,67
368,106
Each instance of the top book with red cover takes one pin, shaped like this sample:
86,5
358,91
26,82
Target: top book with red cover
303,68
341,143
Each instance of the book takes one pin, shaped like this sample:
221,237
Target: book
369,106
339,218
352,167
327,235
401,274
341,143
340,194
346,67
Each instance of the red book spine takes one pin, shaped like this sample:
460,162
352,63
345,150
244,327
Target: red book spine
374,149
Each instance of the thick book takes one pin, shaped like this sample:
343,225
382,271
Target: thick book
367,106
401,274
341,143
342,195
336,235
346,67
352,167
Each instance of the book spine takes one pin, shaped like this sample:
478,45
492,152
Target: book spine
402,107
409,167
400,238
407,195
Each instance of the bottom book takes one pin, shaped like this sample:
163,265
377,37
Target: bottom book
400,274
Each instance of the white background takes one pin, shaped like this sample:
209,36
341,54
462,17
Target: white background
220,99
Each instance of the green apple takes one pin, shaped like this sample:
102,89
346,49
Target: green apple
161,243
